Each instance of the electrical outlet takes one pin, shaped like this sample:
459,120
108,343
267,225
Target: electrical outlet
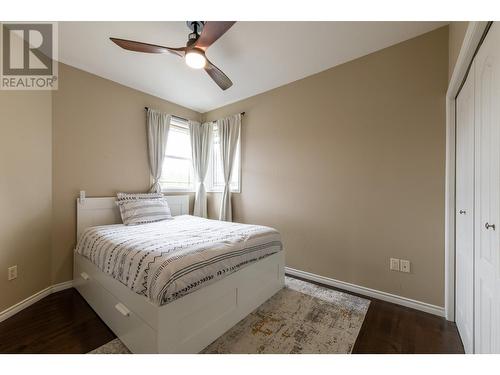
405,265
394,265
12,273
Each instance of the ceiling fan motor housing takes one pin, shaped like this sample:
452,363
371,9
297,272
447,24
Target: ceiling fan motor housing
196,27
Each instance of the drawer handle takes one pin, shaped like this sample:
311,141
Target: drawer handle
85,276
122,309
488,226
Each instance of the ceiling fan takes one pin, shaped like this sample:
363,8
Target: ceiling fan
203,35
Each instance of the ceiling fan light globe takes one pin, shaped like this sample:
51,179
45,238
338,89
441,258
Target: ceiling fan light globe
195,60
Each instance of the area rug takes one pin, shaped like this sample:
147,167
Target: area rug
300,318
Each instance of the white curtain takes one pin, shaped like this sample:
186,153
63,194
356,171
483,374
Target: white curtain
158,124
201,145
229,134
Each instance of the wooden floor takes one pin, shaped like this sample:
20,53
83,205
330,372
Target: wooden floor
64,323
393,329
60,323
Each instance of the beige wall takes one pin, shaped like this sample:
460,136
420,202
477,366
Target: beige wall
99,142
26,193
456,37
349,165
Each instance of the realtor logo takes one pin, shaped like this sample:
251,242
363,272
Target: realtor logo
29,56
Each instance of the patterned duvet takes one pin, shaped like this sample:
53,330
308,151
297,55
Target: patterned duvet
169,259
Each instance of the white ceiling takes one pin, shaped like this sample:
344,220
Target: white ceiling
257,56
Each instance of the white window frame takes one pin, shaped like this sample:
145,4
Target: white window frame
179,123
209,181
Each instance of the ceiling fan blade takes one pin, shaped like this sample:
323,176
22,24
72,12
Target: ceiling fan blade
218,76
132,45
212,31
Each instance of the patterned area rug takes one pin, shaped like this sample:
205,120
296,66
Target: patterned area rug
300,318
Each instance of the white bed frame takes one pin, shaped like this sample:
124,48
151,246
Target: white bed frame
186,325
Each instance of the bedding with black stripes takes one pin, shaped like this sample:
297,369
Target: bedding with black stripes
166,260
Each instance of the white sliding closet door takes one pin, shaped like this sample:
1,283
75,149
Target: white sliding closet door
465,213
487,191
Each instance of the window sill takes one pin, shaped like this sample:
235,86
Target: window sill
221,191
167,191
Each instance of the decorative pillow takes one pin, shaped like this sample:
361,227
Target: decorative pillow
127,196
143,208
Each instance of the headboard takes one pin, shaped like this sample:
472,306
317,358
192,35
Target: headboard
102,211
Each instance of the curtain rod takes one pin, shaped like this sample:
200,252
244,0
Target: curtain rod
185,119
177,117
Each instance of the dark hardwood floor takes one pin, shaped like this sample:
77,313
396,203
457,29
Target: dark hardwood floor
393,329
60,323
64,323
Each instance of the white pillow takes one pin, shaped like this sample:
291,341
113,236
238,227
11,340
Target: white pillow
142,208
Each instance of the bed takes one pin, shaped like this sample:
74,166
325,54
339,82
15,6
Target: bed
173,286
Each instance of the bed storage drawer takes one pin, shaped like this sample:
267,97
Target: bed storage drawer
130,328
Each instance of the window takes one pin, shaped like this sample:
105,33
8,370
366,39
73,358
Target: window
178,173
215,177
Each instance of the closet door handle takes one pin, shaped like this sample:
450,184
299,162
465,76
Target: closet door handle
488,226
462,212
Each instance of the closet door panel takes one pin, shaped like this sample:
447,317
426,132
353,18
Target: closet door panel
465,213
487,191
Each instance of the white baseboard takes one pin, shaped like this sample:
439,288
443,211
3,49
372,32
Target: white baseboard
10,311
384,296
